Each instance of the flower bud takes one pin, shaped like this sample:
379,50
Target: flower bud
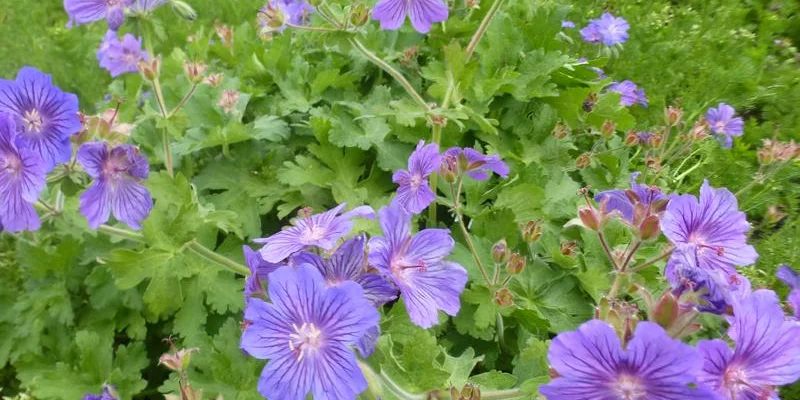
584,160
472,4
438,120
632,138
673,115
516,264
359,14
590,102
609,128
178,360
449,168
649,228
765,156
532,231
656,139
568,248
225,34
774,214
194,71
213,80
500,252
666,311
409,56
503,297
699,131
229,100
469,392
560,131
589,218
150,69
184,10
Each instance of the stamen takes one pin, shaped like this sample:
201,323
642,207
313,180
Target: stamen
305,339
33,120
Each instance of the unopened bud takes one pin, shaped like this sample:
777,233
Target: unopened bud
666,311
409,56
765,156
469,392
178,360
184,10
650,228
532,231
194,71
503,297
305,212
774,214
449,168
439,120
609,128
359,14
225,34
590,102
472,4
653,162
213,80
149,69
500,252
589,218
584,160
516,264
656,139
228,101
699,131
560,131
673,115
632,138
568,248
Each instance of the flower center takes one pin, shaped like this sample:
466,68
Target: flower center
736,383
33,120
305,339
314,233
12,164
416,181
719,126
629,388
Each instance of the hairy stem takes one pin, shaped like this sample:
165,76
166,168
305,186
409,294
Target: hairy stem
467,237
121,233
214,257
391,71
476,38
667,252
183,101
607,250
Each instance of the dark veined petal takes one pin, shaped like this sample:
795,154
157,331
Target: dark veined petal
337,375
396,225
436,287
665,365
716,358
377,289
425,160
424,13
130,202
281,245
366,345
429,246
91,156
415,199
286,378
95,204
267,332
390,13
85,11
344,314
347,262
296,291
259,271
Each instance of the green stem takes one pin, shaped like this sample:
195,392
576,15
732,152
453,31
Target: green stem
167,152
313,28
398,391
121,233
652,261
391,71
223,261
476,38
607,250
467,236
434,178
183,101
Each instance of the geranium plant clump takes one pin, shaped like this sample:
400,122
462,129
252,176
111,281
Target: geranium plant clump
485,223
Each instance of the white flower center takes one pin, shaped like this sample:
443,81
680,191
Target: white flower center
719,126
12,164
305,339
314,233
33,120
629,388
416,181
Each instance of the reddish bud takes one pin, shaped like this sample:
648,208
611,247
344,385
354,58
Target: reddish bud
774,214
699,131
666,311
228,101
439,120
560,131
195,71
584,160
609,128
649,228
589,218
500,252
532,231
213,80
225,34
516,264
503,297
569,248
673,115
468,392
149,69
632,138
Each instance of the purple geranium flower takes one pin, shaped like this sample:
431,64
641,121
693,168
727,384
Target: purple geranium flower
608,29
109,393
713,226
592,364
121,56
306,333
630,94
791,278
638,201
86,11
477,165
321,230
348,264
259,270
724,124
766,353
22,179
567,24
719,290
45,116
416,265
413,192
277,13
423,13
117,186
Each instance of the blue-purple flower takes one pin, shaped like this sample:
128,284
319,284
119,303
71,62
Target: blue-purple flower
86,11
633,204
713,226
121,56
724,124
566,24
306,333
413,192
117,188
320,230
765,356
22,179
109,393
259,270
591,363
276,14
45,116
477,165
422,13
792,279
348,264
630,94
608,29
416,264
